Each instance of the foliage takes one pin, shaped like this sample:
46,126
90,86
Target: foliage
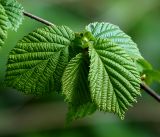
36,64
115,35
99,68
11,16
114,79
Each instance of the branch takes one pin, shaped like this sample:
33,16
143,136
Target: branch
145,87
37,19
150,91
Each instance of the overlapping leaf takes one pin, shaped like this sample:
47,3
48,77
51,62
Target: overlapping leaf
77,112
116,35
75,81
38,60
3,25
62,62
11,16
114,79
14,12
76,89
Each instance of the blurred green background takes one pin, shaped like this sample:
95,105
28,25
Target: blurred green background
27,116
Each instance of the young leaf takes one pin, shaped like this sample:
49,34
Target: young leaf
76,89
14,12
114,79
151,76
33,62
79,43
142,65
148,73
3,25
75,81
77,112
115,35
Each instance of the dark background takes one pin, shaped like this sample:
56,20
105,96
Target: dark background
25,116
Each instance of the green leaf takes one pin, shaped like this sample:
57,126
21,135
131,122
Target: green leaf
14,12
151,76
3,25
81,111
148,73
63,61
78,44
76,88
38,60
114,79
116,35
142,65
11,15
75,81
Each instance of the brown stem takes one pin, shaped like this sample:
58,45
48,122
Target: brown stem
150,91
38,19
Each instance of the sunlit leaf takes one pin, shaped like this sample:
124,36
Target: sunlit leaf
114,79
3,25
115,35
14,12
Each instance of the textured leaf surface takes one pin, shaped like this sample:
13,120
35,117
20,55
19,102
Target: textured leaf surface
81,111
116,35
76,88
37,62
114,80
3,25
14,12
75,81
62,63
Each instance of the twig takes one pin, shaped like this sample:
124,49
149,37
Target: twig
38,19
150,91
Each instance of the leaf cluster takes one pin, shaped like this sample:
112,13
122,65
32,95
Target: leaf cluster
94,69
99,68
